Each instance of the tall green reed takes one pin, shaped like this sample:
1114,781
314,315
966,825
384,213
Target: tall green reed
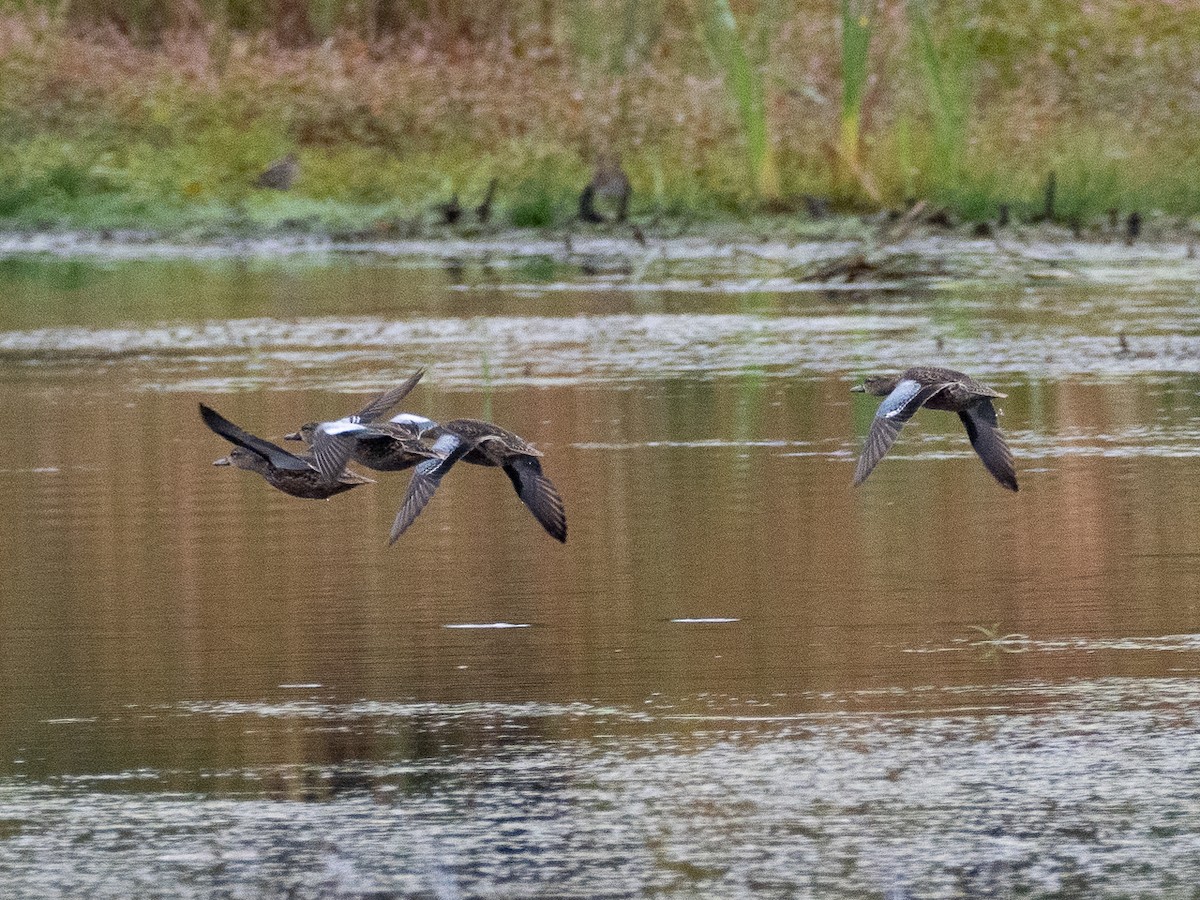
746,86
856,48
946,57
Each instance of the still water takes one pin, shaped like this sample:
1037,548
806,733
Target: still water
739,677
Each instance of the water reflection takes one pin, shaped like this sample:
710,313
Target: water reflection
740,677
138,570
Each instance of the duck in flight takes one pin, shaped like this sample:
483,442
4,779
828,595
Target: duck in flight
935,388
390,446
295,475
358,437
482,444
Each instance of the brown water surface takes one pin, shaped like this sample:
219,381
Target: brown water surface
739,678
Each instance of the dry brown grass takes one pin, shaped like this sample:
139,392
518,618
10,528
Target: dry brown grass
1110,89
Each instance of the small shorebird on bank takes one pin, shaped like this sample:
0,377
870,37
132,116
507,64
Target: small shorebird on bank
279,175
610,184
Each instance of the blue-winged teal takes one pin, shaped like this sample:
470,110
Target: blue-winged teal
484,444
936,388
384,446
291,474
335,443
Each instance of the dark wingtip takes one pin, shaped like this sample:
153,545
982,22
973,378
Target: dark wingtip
1007,480
859,475
213,419
395,533
411,380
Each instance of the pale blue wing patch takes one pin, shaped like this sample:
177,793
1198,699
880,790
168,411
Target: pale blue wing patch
445,445
897,408
419,424
342,426
897,402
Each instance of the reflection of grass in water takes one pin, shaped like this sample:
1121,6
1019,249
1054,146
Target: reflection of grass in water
58,275
485,372
748,409
951,319
751,380
539,268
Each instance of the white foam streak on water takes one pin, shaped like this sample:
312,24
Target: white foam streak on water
1053,251
1169,643
320,352
268,334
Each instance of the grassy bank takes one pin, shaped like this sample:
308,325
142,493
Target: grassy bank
131,116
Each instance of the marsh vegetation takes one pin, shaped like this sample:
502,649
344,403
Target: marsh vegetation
160,115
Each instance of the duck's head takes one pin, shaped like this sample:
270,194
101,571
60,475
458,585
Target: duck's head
241,458
303,433
877,385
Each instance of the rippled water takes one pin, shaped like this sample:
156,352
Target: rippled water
739,678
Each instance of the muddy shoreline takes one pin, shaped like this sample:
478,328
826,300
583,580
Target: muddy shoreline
846,253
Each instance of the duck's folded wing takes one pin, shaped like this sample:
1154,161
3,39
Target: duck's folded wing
539,494
276,455
333,444
980,422
425,480
897,408
388,400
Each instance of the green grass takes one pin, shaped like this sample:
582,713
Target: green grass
964,105
856,18
193,192
946,61
744,81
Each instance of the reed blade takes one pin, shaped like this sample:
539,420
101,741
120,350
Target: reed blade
857,26
745,85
